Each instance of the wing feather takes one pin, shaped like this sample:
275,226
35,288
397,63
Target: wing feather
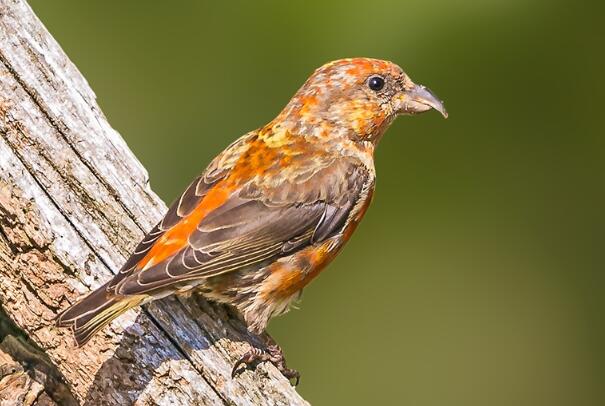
250,230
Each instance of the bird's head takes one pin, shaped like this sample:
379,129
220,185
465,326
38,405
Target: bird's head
359,97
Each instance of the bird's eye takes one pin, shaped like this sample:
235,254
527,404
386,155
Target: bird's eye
376,83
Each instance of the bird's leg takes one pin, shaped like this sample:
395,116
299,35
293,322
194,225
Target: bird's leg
273,354
279,360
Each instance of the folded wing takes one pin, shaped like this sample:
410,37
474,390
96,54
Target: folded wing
249,232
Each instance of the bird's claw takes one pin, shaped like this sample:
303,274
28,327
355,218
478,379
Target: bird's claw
272,354
253,355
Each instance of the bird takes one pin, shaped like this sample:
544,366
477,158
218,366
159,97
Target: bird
271,211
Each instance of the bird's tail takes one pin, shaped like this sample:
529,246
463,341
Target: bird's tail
94,312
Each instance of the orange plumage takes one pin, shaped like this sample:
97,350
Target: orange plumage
273,209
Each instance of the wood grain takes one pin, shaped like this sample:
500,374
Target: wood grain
74,201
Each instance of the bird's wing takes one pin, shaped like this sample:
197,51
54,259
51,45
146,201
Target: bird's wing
183,207
251,227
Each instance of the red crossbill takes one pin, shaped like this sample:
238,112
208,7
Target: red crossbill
273,209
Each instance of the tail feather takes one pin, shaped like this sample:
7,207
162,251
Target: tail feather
94,312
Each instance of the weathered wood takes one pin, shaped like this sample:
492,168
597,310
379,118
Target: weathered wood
17,387
30,385
74,201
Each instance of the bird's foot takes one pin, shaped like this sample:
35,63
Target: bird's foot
272,354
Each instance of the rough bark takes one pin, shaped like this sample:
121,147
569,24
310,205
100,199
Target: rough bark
17,387
74,201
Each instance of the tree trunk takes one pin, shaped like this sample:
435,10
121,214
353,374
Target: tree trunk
74,201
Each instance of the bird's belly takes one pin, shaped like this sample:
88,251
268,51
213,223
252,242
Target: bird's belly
289,275
262,293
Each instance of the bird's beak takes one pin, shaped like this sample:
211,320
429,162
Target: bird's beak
418,100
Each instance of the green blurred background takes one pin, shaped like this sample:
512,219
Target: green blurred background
477,276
